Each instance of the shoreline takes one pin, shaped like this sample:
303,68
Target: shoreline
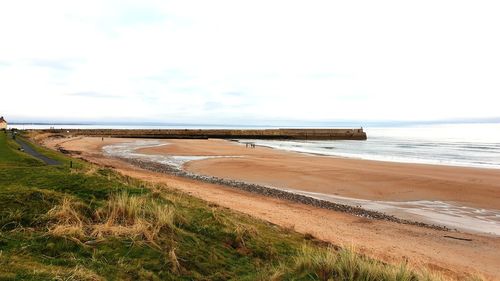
279,194
384,160
347,177
270,168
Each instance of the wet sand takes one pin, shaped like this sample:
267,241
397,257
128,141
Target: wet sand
362,179
387,241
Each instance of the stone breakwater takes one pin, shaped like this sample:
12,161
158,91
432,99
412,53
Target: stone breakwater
276,193
285,134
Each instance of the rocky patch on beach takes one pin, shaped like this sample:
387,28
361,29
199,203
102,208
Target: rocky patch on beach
276,193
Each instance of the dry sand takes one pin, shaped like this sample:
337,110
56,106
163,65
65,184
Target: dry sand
387,241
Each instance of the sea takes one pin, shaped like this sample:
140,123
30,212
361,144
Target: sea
468,145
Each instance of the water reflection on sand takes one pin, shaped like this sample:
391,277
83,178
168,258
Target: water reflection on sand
449,214
128,150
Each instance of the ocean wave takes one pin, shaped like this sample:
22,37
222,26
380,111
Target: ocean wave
403,150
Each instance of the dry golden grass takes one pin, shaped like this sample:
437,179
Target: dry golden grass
68,230
79,273
277,274
66,213
322,262
176,266
346,264
139,229
163,191
243,233
164,216
91,170
67,218
124,215
134,216
124,209
34,268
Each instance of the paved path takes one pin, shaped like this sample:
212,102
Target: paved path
28,149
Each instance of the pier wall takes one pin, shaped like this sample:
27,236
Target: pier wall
297,134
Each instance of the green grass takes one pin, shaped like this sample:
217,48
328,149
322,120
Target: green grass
10,155
89,223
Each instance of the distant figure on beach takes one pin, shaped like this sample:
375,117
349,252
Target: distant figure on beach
252,145
102,139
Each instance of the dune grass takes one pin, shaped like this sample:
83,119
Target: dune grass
346,265
89,223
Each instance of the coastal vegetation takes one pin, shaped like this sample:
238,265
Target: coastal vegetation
85,222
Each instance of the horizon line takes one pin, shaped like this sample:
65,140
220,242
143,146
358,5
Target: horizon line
269,123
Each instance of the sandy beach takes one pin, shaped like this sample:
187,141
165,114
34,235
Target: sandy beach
373,180
340,176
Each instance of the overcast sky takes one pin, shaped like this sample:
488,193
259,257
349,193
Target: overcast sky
249,61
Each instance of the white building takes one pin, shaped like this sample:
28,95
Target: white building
3,123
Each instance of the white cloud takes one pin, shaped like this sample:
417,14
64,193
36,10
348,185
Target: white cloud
320,60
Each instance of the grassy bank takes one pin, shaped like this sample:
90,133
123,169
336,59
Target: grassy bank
89,223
